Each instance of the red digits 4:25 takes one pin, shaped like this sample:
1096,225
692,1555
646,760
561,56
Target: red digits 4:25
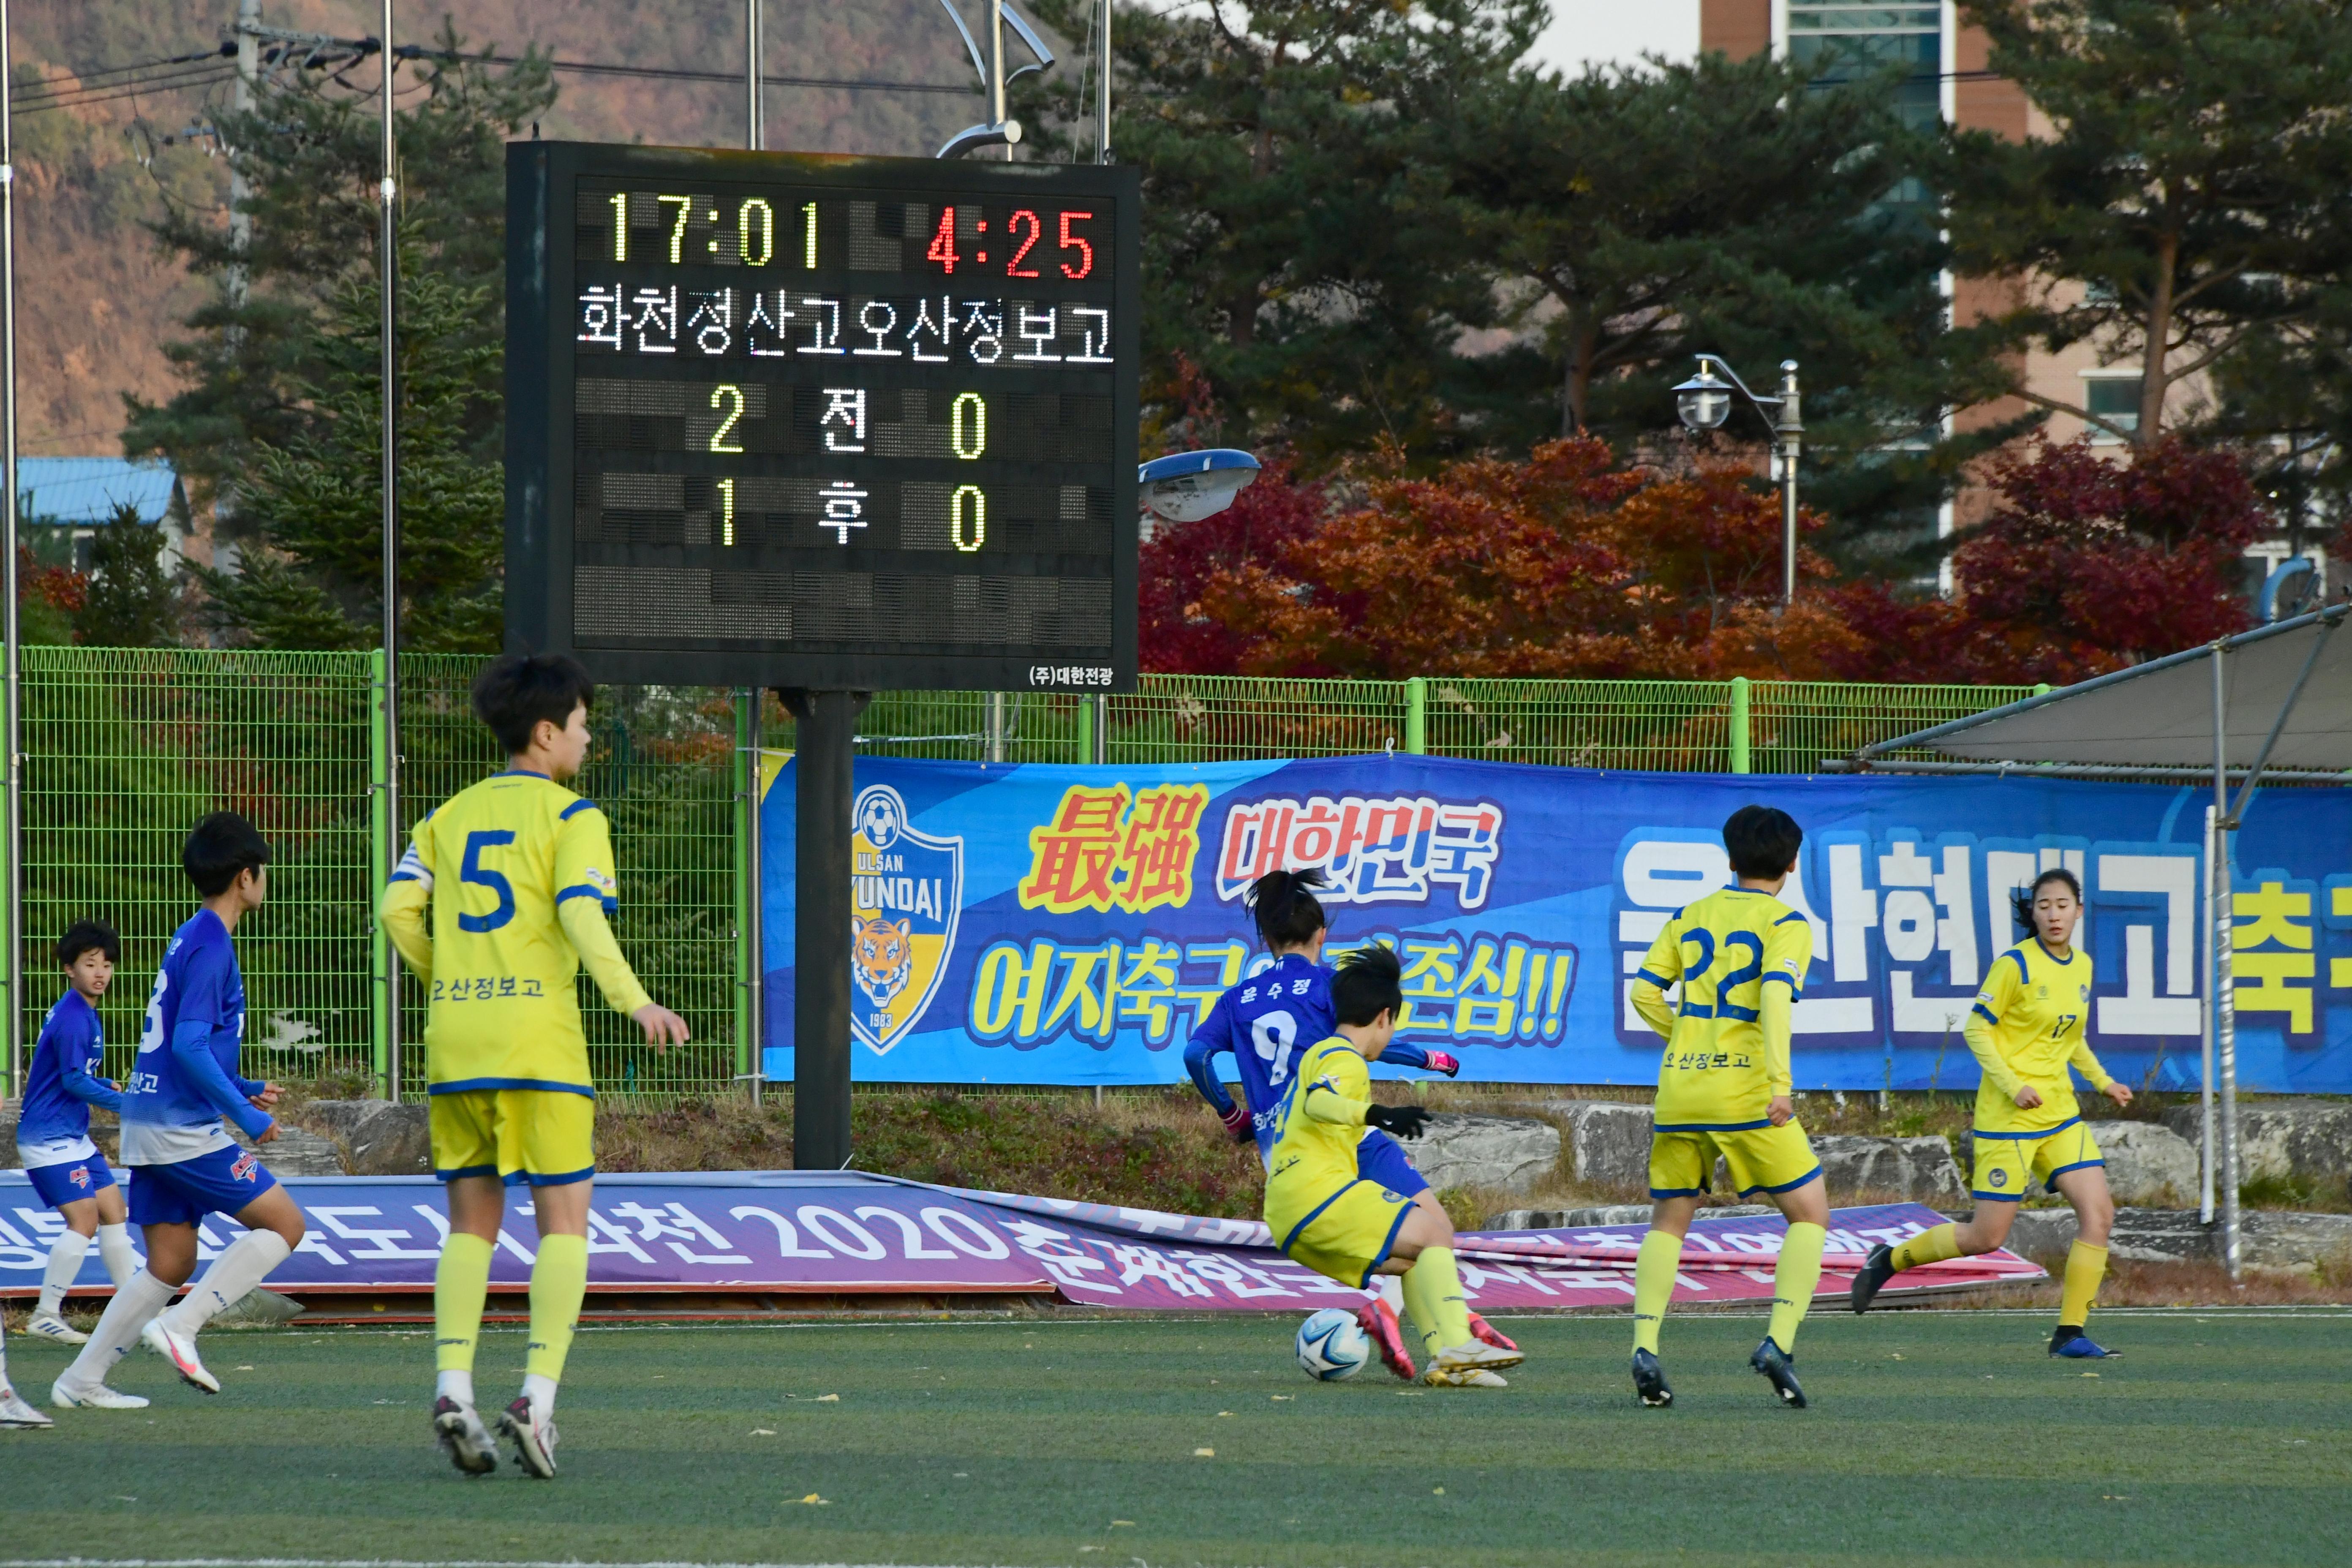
943,248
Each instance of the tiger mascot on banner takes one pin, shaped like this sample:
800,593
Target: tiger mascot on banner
884,959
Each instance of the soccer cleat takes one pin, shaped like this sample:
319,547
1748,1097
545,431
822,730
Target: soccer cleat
1650,1381
2076,1345
1472,1356
534,1438
1378,1321
1475,1377
463,1439
1876,1271
182,1350
1779,1368
1486,1333
55,1330
97,1396
16,1414
151,1336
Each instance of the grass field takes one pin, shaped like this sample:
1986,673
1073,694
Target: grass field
1935,1436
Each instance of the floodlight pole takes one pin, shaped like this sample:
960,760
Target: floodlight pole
749,701
755,119
1788,432
2225,1011
996,68
388,239
1102,88
13,1033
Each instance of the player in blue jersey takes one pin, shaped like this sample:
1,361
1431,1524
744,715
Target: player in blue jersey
53,1130
1270,1018
182,1165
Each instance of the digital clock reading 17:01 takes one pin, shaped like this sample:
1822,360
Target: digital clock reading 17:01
780,419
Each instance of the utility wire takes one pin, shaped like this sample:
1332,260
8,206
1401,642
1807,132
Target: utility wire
592,67
130,89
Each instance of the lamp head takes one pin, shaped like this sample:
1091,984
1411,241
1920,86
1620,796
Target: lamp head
1704,401
1186,487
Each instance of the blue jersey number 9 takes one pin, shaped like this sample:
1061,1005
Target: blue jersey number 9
1275,1034
481,875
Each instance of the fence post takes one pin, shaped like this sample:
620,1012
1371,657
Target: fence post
1086,731
1416,716
2042,688
746,962
382,996
1739,763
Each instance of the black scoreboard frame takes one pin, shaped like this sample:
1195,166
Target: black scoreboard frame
543,367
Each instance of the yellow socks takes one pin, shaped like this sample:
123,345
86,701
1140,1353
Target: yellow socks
1794,1279
1432,1294
459,1285
2086,1266
1653,1286
558,1282
1929,1247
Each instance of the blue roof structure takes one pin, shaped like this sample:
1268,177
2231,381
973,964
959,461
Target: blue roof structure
85,490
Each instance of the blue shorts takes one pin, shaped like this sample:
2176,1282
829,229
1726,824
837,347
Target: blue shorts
1381,1158
71,1182
225,1181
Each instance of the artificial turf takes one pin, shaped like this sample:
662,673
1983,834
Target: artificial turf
1942,1436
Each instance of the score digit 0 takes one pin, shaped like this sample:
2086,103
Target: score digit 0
968,440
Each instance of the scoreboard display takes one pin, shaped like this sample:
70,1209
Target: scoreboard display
836,422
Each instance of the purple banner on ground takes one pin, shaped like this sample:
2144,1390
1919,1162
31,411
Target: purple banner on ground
849,1232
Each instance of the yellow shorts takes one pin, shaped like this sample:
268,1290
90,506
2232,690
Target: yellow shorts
1344,1236
1763,1159
2005,1165
536,1136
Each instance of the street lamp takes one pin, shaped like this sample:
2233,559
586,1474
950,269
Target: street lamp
1704,403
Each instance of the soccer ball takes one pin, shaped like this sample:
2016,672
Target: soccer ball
1331,1346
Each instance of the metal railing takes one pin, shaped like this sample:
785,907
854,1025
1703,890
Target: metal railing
126,748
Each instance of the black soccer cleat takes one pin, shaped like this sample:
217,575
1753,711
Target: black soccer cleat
1780,1368
1876,1271
1650,1381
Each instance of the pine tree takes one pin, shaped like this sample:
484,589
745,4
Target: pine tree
277,421
131,600
2185,204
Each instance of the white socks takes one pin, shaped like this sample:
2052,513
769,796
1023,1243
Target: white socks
114,1251
66,1254
456,1385
540,1390
242,1265
136,1300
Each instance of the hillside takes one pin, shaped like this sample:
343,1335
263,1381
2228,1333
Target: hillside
95,302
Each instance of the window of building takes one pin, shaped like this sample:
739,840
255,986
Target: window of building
2116,399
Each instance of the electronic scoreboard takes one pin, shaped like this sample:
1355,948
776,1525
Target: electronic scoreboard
831,422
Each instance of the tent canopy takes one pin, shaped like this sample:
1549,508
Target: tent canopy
2160,714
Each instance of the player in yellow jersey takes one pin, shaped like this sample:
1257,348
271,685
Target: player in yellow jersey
517,874
2026,1031
1326,1214
1723,1086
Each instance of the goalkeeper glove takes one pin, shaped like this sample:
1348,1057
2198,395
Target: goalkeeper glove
1446,1062
1403,1120
1237,1122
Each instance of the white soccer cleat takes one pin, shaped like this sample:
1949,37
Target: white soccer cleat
151,1336
463,1438
97,1396
182,1350
534,1438
1470,1355
55,1330
16,1414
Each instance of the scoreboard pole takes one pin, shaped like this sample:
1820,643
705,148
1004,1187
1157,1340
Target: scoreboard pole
823,918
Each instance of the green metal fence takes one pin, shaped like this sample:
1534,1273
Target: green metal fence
125,747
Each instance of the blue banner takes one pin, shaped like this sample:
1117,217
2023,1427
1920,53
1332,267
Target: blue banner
1071,925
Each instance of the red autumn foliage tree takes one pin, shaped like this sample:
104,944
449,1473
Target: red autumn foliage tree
2089,565
1568,564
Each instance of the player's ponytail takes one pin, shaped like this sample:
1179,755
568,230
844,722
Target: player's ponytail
2021,901
1285,908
